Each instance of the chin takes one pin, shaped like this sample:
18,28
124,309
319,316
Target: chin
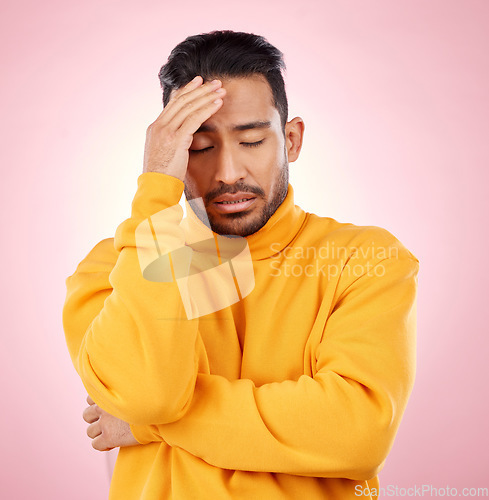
239,224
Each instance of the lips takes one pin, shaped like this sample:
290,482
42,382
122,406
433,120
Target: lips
235,202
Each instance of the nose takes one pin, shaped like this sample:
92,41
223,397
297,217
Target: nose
228,167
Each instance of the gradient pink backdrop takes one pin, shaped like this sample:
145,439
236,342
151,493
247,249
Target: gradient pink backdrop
395,99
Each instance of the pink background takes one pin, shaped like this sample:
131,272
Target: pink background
394,95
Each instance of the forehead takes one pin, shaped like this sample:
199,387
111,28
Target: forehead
248,99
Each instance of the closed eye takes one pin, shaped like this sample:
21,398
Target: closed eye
246,144
200,150
252,144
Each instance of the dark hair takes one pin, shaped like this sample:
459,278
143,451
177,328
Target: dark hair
225,54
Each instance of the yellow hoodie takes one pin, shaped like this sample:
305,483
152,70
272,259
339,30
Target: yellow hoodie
296,390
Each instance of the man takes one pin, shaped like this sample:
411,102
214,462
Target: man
293,389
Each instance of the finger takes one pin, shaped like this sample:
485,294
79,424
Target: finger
90,401
194,120
100,444
205,103
94,430
192,85
90,414
191,90
187,102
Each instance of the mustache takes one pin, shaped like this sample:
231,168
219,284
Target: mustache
235,188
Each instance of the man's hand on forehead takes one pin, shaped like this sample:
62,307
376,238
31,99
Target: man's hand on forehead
170,136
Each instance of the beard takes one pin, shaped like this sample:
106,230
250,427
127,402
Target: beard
242,223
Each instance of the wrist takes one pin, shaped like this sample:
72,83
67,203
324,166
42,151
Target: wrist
158,169
157,190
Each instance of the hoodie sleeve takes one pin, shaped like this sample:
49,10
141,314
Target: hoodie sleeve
129,337
342,421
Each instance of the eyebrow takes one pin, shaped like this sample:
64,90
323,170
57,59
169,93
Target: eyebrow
237,128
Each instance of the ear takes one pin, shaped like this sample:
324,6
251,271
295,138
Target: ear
294,132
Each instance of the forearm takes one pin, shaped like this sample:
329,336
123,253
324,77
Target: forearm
298,428
339,423
136,353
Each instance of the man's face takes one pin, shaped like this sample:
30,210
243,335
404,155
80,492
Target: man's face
238,159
